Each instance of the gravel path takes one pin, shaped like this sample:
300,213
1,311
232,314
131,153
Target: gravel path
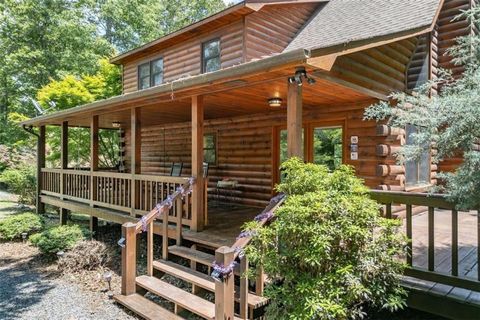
29,291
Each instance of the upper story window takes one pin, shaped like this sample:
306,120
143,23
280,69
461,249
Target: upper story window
417,172
150,74
211,56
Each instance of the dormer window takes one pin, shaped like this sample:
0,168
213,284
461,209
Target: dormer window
211,56
150,74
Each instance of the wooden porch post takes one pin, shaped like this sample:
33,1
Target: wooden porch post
294,120
93,167
224,290
136,147
197,163
64,166
129,259
40,165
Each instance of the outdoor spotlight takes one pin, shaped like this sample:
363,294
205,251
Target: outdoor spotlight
24,236
311,81
299,76
60,254
107,276
116,124
275,102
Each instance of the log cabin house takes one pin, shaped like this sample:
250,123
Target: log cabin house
227,99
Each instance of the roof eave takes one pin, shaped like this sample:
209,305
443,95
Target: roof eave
275,62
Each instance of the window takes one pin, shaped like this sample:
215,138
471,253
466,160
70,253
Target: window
150,74
328,147
211,56
210,148
417,172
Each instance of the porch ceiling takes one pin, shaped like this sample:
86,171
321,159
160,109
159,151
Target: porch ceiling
249,97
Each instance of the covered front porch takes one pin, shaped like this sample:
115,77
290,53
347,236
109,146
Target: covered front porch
226,136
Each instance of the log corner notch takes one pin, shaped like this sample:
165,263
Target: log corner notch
384,130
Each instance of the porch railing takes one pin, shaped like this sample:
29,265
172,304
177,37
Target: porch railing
133,194
225,257
432,203
164,210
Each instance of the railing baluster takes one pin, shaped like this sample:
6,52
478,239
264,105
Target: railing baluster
409,235
454,242
179,209
243,288
389,211
431,238
150,249
478,245
165,236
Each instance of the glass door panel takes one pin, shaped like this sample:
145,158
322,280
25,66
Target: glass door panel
328,147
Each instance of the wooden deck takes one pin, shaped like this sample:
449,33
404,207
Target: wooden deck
225,223
437,298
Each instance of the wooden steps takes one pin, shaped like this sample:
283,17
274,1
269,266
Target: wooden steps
180,298
192,254
203,281
146,308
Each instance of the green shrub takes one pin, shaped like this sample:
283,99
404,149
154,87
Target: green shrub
21,181
329,253
12,227
59,238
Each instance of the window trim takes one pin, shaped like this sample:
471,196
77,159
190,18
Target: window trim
151,74
204,60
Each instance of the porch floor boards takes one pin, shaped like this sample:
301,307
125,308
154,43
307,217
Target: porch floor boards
225,223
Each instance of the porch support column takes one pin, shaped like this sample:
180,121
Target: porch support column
64,166
197,164
40,165
294,121
136,147
93,167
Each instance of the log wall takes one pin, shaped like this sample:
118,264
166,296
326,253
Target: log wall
382,69
271,29
447,31
184,59
248,150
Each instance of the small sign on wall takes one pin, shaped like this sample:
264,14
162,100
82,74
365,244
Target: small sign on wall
354,148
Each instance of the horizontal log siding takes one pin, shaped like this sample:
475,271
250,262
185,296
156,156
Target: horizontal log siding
184,59
448,31
382,69
270,30
245,151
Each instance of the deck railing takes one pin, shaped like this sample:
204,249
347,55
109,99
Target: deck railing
164,210
412,202
225,257
133,194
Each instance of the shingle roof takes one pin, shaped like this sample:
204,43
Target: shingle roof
343,21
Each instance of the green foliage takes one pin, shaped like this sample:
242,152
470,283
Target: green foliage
13,226
449,120
59,238
21,181
328,252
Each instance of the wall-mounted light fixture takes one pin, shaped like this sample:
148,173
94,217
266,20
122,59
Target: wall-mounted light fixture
275,102
116,124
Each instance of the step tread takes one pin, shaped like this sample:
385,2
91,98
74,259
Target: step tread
192,254
202,280
178,296
146,308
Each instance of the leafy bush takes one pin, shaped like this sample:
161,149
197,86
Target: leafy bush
85,255
329,252
13,226
21,181
59,238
